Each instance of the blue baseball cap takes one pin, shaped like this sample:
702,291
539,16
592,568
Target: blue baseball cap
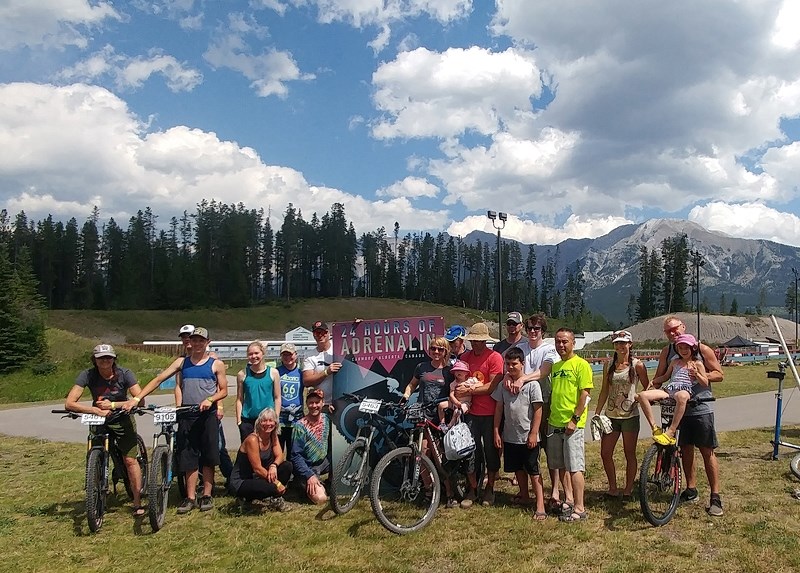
455,331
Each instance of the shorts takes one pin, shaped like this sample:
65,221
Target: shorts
482,430
698,431
198,441
123,429
625,424
566,452
519,457
674,389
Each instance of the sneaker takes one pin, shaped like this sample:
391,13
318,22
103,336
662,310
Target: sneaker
689,495
488,498
186,506
206,503
469,499
715,507
278,504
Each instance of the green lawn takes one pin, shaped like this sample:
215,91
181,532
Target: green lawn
43,528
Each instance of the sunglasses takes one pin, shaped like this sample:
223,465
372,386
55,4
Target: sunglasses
533,328
438,349
512,323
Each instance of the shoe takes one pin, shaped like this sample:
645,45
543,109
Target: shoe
469,499
206,503
452,503
657,431
488,498
186,506
689,495
715,507
665,440
278,504
573,516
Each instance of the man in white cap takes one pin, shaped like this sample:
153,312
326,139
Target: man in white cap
486,366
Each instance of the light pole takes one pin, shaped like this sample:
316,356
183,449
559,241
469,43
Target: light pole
697,261
794,271
498,222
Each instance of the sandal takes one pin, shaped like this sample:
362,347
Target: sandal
138,511
574,516
554,506
539,515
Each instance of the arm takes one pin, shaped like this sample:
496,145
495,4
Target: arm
170,370
536,422
453,400
254,457
73,405
484,389
412,385
581,406
276,389
659,380
700,372
222,386
299,462
604,389
662,363
542,372
498,417
711,364
239,396
641,374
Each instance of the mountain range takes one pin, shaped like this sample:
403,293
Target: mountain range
755,272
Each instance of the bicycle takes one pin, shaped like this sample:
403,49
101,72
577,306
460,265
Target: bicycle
660,477
100,448
163,466
400,497
372,440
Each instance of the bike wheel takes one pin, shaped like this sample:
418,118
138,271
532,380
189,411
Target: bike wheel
141,457
399,498
350,477
95,488
158,487
660,484
794,465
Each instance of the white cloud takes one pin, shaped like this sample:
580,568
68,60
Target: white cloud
51,23
751,220
268,71
72,147
429,94
786,33
412,187
181,11
530,232
131,73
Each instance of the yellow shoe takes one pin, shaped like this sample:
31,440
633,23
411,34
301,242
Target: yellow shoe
657,431
665,440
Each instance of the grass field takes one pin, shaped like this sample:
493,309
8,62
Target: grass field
43,528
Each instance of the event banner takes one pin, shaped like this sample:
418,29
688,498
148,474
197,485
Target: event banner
378,359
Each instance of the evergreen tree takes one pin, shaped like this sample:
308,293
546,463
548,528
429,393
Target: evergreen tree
734,307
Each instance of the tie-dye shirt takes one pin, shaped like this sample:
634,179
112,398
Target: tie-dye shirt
309,444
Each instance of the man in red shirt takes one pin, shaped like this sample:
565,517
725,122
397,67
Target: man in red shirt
486,366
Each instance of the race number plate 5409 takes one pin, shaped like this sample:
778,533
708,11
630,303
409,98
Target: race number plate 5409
92,420
369,406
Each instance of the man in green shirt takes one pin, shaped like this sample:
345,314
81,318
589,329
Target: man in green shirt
571,382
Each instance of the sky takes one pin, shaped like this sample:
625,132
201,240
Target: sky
574,117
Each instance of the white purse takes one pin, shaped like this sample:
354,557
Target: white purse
458,442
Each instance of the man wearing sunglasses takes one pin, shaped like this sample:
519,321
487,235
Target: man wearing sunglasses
697,425
515,331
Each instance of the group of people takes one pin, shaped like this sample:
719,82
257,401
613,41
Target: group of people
519,396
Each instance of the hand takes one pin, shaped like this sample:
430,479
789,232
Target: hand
498,442
128,405
334,368
103,404
311,486
100,412
533,440
571,427
205,405
692,370
220,412
272,473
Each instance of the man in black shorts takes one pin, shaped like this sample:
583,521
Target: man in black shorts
697,426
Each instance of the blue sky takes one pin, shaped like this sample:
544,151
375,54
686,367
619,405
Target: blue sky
574,117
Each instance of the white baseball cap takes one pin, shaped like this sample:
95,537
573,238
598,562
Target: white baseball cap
186,329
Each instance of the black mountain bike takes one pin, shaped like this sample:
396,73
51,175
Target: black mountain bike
407,484
163,467
660,477
378,432
102,448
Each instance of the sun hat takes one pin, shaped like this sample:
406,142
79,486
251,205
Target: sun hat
104,350
454,332
687,339
459,366
621,336
479,331
186,329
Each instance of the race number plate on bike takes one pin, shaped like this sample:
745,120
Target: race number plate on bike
164,415
369,406
667,409
92,420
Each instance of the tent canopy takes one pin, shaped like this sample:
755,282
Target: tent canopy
738,342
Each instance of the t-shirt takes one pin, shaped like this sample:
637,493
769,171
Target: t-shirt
309,445
317,363
291,393
484,367
534,358
518,411
504,345
621,403
434,383
114,390
568,378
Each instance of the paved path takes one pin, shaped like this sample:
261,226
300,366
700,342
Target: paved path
737,413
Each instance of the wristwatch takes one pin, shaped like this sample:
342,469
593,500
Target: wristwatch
576,418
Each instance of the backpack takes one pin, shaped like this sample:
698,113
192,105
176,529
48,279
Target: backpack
458,442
